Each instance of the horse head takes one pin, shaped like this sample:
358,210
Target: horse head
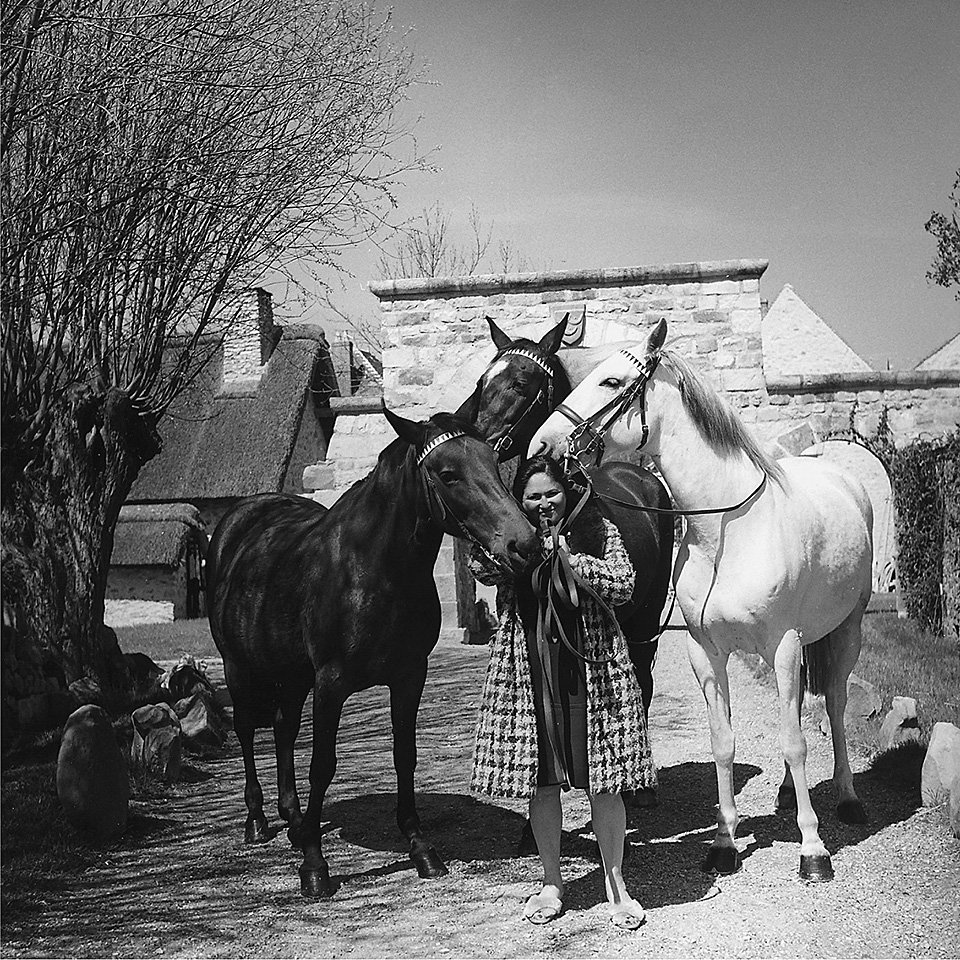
609,404
463,490
518,389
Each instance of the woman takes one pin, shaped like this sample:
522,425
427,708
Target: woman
551,719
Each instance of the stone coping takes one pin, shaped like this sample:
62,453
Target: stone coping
354,405
862,380
421,288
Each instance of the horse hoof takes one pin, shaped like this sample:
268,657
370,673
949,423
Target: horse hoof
786,800
851,811
721,860
428,864
526,845
816,868
315,882
256,830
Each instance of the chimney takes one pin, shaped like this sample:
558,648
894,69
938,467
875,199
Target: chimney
250,340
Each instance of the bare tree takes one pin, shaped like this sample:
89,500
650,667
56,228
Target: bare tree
155,155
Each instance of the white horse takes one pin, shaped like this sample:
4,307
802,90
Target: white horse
779,560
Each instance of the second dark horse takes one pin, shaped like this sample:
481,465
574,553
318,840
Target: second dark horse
339,600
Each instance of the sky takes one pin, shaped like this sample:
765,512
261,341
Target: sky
816,134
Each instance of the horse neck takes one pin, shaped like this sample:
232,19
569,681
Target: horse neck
699,476
392,499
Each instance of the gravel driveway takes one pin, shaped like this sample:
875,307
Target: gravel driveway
183,883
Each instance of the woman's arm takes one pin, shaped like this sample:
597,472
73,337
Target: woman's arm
612,576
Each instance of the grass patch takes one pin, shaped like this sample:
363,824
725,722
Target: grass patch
901,659
40,850
169,640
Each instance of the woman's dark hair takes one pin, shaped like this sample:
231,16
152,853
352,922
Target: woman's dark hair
537,465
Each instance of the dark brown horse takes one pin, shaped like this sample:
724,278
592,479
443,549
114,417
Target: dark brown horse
339,600
521,387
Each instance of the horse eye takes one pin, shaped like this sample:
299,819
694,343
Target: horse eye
448,476
610,382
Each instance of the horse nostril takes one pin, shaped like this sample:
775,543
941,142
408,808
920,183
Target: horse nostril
538,451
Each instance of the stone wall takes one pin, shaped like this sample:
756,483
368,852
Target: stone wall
437,345
249,340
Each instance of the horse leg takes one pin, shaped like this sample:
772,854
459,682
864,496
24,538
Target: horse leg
642,643
814,859
404,703
711,674
327,709
286,727
844,650
244,724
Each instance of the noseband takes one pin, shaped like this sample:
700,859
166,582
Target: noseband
544,395
609,413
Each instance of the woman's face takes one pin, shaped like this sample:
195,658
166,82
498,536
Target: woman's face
544,501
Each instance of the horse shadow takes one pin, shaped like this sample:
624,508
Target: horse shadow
885,803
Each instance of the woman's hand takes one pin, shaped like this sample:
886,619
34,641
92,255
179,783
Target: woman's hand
548,544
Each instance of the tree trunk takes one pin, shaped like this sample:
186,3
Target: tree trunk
58,529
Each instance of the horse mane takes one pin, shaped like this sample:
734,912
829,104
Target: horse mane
717,421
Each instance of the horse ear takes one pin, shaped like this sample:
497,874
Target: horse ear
500,340
551,341
409,430
657,337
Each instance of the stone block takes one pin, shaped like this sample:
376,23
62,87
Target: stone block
941,765
737,379
408,318
706,344
900,723
204,726
91,776
156,747
319,476
417,376
797,439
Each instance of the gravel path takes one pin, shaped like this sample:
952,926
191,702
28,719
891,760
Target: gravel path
183,884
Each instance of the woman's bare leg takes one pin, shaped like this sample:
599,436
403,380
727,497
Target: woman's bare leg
610,827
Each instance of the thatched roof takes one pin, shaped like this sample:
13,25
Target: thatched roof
231,442
155,534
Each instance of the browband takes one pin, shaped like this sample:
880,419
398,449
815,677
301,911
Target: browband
436,441
529,355
636,361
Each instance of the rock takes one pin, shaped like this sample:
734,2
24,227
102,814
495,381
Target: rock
156,746
143,679
186,679
86,690
941,765
863,703
91,776
900,723
204,726
955,806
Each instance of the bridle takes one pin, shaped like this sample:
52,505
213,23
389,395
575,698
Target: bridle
438,507
544,394
609,413
606,417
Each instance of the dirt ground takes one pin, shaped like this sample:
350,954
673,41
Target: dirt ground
183,884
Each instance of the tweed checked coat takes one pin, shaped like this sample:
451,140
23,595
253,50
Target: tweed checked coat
618,748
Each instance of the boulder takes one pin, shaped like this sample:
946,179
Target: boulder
91,776
941,765
156,746
863,703
86,690
187,678
955,806
143,678
900,723
203,724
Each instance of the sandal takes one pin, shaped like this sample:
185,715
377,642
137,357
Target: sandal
542,908
625,918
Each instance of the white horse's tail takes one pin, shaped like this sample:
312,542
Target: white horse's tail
816,666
